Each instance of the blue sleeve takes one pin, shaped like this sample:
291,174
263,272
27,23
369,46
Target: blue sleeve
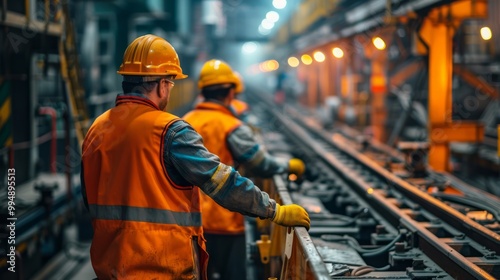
248,152
184,151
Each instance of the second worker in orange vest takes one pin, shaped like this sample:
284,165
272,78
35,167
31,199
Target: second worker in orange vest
233,141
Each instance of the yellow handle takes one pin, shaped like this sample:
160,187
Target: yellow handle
264,245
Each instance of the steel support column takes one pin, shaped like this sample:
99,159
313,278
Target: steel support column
378,88
440,94
438,30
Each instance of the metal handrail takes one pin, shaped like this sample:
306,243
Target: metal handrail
298,256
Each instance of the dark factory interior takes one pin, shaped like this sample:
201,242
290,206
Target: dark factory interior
249,139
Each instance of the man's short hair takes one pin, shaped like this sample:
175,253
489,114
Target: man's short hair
142,88
217,92
142,85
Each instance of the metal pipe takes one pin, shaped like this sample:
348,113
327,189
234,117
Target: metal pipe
53,142
67,161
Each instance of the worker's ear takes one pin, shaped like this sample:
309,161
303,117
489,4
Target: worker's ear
162,88
230,96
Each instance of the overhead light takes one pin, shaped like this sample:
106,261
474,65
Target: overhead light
486,33
319,56
279,4
293,61
269,65
378,43
272,16
264,31
267,24
306,59
249,47
272,65
337,52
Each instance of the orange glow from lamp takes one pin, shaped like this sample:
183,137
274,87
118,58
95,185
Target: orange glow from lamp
378,43
319,56
293,61
486,33
338,52
274,65
306,59
269,65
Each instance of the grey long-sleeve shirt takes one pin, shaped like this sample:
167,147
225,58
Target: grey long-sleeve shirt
188,162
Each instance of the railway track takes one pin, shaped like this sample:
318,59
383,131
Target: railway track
371,217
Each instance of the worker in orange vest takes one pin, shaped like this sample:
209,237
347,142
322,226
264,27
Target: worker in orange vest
240,108
142,169
230,139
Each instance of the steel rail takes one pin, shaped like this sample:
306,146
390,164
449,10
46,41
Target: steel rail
472,229
457,265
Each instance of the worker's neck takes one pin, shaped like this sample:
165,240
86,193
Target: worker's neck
226,101
153,97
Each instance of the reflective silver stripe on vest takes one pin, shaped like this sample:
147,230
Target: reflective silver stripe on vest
140,214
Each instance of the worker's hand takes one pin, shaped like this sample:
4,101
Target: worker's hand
296,166
291,216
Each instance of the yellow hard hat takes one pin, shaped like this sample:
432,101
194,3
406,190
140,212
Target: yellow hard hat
216,72
240,85
150,55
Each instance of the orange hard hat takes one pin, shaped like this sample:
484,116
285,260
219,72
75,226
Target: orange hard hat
240,86
215,72
150,55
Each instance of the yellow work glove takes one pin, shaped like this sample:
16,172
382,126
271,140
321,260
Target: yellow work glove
291,215
296,166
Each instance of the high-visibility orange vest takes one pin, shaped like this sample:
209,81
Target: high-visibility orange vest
239,107
214,123
145,226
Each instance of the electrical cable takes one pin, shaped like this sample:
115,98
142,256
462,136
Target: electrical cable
362,270
365,269
352,241
469,202
356,246
383,249
384,268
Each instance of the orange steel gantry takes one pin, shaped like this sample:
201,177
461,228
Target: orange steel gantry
437,31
